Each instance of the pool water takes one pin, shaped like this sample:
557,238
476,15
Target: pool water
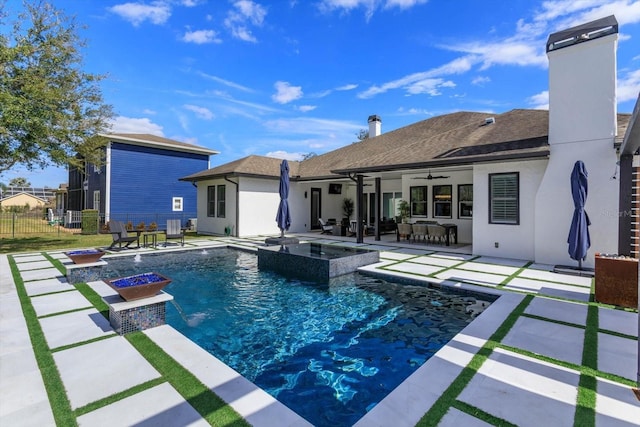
329,351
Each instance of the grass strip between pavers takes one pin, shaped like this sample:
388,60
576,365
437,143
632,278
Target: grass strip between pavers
215,410
119,396
448,398
480,414
207,403
56,263
585,415
60,405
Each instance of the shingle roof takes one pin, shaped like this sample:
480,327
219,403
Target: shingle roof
259,166
154,140
451,139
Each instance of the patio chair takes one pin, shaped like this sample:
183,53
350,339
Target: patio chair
326,228
437,233
405,229
120,235
420,230
174,231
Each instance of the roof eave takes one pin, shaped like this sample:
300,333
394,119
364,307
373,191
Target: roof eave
448,162
157,144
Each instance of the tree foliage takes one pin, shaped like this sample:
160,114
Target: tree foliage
19,182
50,109
362,135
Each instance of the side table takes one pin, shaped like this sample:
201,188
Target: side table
154,239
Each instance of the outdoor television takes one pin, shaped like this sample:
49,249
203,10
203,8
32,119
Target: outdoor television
335,188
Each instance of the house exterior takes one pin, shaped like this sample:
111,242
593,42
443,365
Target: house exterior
20,197
502,179
139,180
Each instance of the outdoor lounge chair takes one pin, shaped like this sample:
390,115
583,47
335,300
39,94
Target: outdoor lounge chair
120,235
174,231
326,228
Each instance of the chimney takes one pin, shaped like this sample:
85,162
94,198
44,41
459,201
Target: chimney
582,82
374,125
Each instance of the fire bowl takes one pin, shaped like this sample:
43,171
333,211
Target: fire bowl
85,256
138,286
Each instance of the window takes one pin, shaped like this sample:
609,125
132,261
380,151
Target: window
211,200
222,198
418,201
96,200
504,198
465,201
389,204
177,204
442,201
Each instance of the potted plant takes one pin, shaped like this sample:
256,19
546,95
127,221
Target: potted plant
404,210
347,210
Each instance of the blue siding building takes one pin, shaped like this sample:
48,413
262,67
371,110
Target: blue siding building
139,181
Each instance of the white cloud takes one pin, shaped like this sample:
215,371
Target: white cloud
157,12
123,124
201,112
629,86
307,108
225,82
403,4
286,93
285,155
149,112
480,80
347,87
428,86
246,13
457,66
539,101
201,37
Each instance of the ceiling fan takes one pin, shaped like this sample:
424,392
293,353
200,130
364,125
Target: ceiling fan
431,176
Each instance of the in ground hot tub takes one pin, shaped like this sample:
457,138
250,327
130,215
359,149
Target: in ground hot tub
314,261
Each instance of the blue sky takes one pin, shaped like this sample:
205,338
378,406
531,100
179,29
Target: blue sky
285,78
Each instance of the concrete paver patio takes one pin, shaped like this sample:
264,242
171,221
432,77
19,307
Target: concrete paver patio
529,376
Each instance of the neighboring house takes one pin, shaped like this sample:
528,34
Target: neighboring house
26,196
139,179
503,179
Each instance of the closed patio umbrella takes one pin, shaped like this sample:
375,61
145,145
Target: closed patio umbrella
283,218
579,240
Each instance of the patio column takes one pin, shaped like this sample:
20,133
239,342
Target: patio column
360,209
377,209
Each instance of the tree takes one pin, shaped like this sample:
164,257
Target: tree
362,135
50,110
19,182
308,156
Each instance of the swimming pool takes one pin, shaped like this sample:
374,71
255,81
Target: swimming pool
329,351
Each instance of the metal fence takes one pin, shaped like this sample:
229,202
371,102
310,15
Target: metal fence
14,224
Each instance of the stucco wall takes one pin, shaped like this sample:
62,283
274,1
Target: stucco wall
216,225
513,241
454,179
22,200
582,126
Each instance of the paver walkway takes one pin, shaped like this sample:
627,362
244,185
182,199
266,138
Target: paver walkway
526,360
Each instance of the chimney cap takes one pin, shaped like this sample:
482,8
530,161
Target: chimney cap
582,33
374,118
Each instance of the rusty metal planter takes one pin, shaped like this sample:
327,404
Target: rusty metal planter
616,281
85,256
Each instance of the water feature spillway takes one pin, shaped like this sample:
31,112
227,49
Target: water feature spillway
314,261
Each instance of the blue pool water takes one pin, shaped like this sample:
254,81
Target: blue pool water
328,351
